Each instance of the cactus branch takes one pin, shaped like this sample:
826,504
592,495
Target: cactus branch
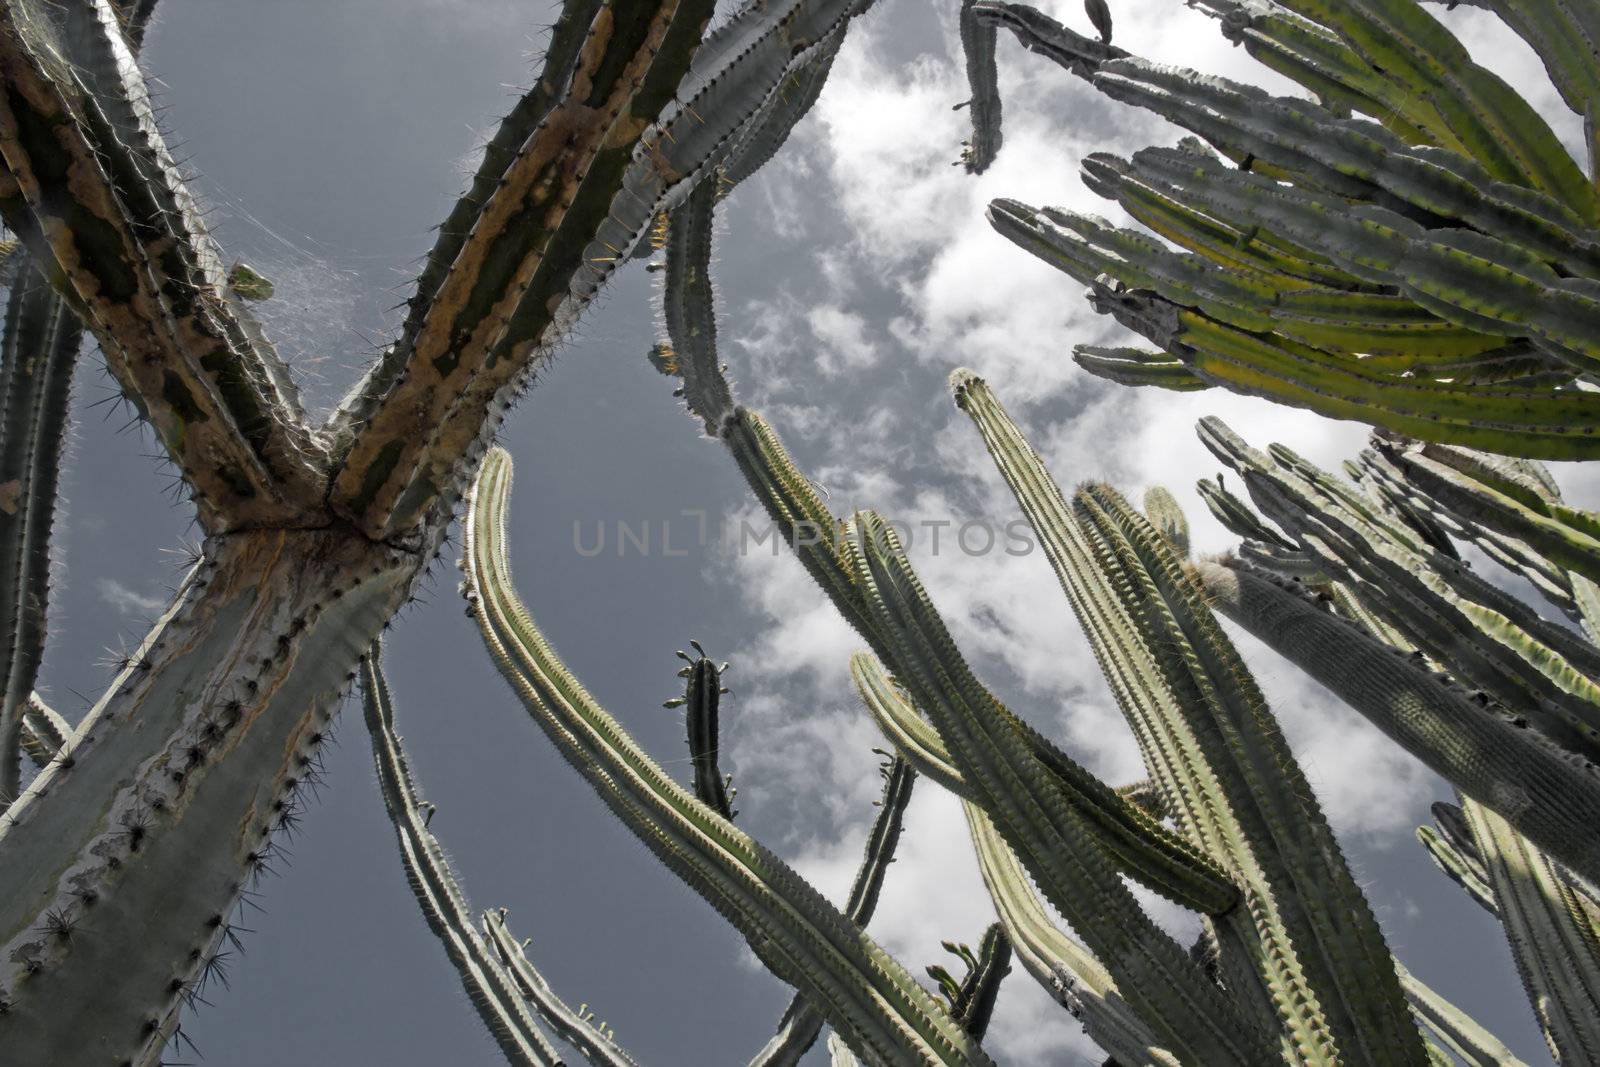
489,986
124,236
791,928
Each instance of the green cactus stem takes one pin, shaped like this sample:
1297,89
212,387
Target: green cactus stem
1061,965
1554,940
488,984
703,690
972,999
44,732
39,347
800,1024
1193,705
791,928
977,45
1460,1033
1511,770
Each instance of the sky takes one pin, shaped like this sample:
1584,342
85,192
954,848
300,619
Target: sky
853,275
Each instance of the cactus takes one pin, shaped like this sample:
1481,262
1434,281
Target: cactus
703,691
972,999
499,979
1548,917
797,934
1429,269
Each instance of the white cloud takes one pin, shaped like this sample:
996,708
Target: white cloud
128,601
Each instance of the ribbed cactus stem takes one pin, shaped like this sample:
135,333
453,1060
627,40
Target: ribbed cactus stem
177,779
1539,790
1554,940
1141,847
44,732
1162,509
1208,739
38,352
701,701
972,999
1463,869
578,1030
1460,1032
1060,964
983,81
791,928
798,1029
488,984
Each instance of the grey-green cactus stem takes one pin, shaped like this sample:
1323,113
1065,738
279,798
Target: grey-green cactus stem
1061,965
801,1023
1508,769
39,347
536,254
1463,1035
977,46
137,263
1463,867
1554,940
796,933
44,732
689,310
1203,728
701,701
1033,814
972,999
1129,831
144,838
1491,640
593,1038
1162,509
488,984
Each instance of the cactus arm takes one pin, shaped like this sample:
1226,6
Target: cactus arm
1348,980
44,732
1460,1032
689,308
1236,516
839,1054
568,35
1221,735
594,1042
796,933
1141,847
1051,835
977,45
1491,639
527,266
163,814
973,1004
789,103
38,352
1554,942
702,698
1072,976
1545,796
1138,366
1228,241
1565,36
1162,509
798,1028
124,236
1491,122
488,984
1565,536
1459,868
1536,424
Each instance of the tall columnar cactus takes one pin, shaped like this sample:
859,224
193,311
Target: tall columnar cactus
1551,924
1431,268
867,997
